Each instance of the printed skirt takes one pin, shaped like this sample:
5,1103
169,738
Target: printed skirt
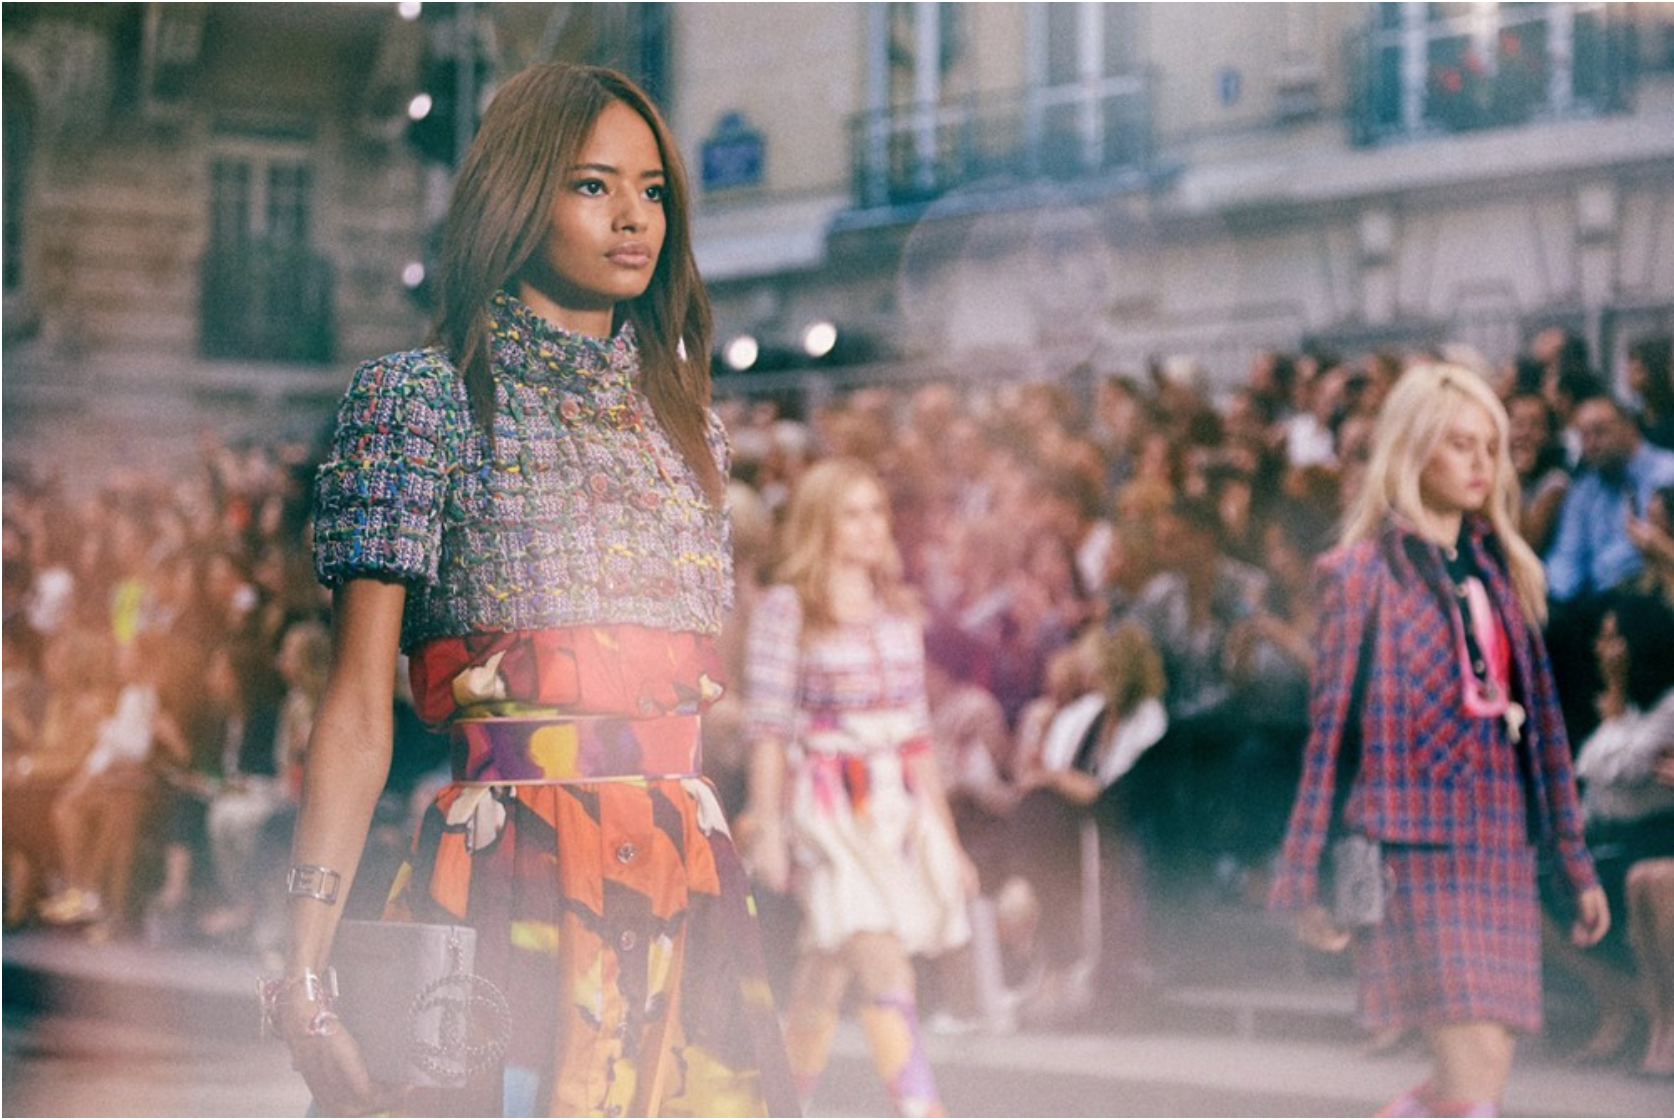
614,914
871,854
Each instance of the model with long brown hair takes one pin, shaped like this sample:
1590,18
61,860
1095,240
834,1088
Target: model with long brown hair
529,508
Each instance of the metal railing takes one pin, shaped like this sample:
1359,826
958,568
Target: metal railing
916,154
1415,75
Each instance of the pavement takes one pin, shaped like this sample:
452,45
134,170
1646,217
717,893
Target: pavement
1216,1041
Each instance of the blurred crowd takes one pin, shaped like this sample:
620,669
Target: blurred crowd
165,647
1115,577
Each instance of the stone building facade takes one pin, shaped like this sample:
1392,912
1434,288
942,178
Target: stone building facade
210,209
1026,189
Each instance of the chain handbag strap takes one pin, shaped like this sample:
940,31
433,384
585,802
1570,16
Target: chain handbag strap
460,1025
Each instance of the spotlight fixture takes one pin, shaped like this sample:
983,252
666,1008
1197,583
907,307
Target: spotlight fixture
819,338
741,352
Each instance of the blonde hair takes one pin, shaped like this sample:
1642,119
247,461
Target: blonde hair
805,543
1412,422
1130,671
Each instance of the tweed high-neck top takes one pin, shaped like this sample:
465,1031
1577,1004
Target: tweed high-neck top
582,512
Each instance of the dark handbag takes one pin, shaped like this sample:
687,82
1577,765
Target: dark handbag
407,993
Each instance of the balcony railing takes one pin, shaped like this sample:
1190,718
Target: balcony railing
1446,75
267,302
916,154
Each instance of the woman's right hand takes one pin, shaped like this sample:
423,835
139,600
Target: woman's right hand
330,1063
1316,930
768,855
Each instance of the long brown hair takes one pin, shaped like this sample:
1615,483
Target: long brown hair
499,218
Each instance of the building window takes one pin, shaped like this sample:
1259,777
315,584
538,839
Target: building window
631,37
1082,111
1086,108
266,292
1434,68
910,141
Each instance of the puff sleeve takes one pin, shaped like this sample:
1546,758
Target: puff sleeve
771,666
378,495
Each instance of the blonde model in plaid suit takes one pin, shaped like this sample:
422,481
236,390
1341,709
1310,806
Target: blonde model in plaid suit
1463,769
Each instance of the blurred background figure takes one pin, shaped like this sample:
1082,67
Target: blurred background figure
847,806
1626,767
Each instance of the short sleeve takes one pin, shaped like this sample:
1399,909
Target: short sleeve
771,662
378,494
720,444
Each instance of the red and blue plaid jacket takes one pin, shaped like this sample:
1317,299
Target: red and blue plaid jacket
1413,785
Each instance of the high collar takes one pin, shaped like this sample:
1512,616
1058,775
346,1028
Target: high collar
534,349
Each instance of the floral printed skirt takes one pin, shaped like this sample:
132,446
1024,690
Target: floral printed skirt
612,911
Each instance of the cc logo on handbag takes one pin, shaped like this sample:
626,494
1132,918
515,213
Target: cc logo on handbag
459,1026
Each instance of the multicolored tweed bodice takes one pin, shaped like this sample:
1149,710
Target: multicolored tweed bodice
584,513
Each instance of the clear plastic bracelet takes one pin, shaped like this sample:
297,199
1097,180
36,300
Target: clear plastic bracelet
317,989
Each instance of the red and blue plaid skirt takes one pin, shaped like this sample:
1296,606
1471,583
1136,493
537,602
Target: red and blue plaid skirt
1461,937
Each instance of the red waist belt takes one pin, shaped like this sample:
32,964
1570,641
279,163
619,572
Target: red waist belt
576,748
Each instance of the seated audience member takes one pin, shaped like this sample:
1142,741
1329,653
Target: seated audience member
257,803
1538,455
1309,433
1626,770
1650,376
1270,655
1592,553
52,718
1041,609
248,789
1156,478
1070,672
99,815
1653,537
1090,745
1192,611
1116,407
210,726
1129,567
1566,379
1191,605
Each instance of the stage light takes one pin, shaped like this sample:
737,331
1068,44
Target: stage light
741,352
419,107
819,338
409,10
412,274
